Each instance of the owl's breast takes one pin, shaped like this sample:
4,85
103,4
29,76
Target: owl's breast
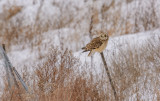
102,47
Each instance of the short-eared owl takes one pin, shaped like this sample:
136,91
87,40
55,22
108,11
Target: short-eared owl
98,44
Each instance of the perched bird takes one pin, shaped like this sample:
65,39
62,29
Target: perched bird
98,44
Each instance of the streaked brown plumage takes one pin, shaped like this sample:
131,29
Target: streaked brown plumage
98,44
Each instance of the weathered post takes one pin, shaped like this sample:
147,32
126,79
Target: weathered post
109,76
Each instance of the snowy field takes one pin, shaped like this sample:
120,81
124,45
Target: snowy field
132,53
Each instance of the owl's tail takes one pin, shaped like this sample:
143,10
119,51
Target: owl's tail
84,49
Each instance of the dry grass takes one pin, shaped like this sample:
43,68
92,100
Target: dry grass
13,32
134,67
140,18
58,77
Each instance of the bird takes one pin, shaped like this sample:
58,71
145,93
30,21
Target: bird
98,44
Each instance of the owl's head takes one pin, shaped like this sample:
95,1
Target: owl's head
104,36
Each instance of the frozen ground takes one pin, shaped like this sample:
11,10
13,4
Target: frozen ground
19,58
30,56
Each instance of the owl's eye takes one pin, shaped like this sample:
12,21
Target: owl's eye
105,35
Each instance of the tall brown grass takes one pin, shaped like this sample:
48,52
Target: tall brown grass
58,78
134,67
142,17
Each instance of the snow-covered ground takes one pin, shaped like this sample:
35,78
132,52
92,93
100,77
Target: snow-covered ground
19,58
74,37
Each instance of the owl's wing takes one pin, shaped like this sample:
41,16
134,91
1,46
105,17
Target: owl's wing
95,43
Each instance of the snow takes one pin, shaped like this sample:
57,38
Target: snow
118,42
29,56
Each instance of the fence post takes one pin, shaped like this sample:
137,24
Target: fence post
109,76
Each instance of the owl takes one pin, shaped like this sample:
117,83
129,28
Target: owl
98,44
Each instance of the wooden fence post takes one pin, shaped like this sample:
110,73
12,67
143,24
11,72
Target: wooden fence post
109,76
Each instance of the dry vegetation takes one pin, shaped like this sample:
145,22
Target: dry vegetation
110,17
139,18
133,72
58,77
